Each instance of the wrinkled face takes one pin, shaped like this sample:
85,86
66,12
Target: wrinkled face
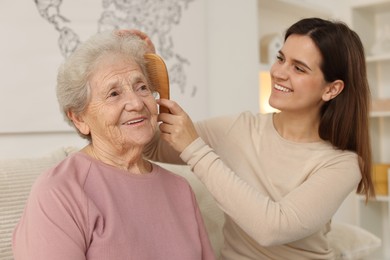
297,81
122,112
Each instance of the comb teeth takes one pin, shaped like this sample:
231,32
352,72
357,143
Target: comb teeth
158,76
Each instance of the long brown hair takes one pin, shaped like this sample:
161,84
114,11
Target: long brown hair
344,119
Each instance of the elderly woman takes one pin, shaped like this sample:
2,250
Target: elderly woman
106,201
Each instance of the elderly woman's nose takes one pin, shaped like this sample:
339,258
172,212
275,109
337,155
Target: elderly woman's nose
132,101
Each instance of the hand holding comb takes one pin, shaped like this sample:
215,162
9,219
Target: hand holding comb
158,76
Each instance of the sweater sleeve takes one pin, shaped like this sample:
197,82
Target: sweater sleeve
52,226
297,215
160,151
207,250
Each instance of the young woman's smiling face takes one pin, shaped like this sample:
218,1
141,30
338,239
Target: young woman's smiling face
297,81
122,111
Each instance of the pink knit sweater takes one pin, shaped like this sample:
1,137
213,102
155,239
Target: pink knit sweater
85,209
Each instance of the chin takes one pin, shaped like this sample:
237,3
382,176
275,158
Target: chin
273,105
143,138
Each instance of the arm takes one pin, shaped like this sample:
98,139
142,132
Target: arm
166,147
298,214
161,151
177,131
50,228
295,216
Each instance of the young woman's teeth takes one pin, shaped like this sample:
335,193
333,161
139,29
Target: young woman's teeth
282,88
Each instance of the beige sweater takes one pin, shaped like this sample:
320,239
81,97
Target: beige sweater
279,196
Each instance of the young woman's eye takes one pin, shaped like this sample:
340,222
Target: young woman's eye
299,69
279,58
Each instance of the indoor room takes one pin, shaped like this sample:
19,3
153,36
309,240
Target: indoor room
219,56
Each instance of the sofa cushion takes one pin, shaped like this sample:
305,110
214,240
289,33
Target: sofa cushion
16,178
351,242
18,175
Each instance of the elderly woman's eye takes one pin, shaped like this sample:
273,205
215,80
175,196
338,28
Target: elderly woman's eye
143,90
113,94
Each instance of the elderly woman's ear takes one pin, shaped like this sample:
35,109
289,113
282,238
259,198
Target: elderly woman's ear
79,122
149,44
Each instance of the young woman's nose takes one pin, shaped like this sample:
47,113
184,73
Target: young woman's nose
279,71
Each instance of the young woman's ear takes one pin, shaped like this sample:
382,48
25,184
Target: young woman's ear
332,90
79,122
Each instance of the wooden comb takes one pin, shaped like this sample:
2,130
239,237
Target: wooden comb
158,76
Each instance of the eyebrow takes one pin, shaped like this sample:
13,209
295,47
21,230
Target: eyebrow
137,78
297,61
131,79
110,84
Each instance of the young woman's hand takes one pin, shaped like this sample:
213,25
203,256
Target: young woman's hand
177,127
149,44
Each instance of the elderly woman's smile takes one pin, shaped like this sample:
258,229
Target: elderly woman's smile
135,121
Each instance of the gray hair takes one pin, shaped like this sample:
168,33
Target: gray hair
73,89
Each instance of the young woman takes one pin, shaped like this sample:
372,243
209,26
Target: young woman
280,177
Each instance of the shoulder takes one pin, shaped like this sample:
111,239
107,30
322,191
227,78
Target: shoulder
251,124
168,175
344,157
242,120
335,160
68,175
249,120
59,193
168,172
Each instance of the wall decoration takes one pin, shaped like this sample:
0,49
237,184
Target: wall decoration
41,33
270,45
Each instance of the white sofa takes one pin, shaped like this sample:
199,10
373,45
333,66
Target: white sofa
17,176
